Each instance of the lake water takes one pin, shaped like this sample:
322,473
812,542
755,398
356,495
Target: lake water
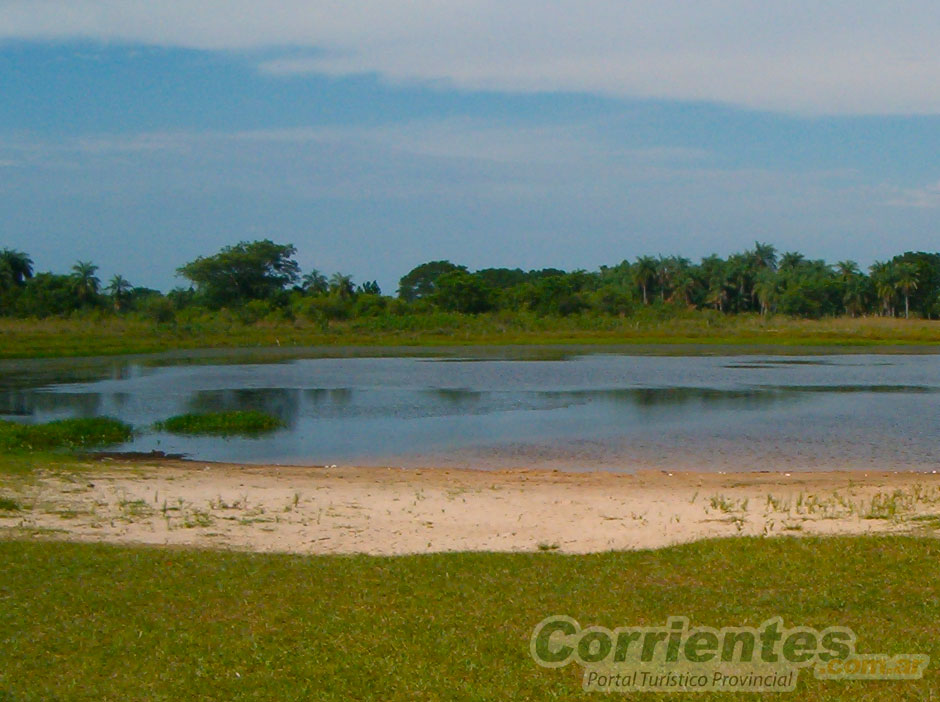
492,408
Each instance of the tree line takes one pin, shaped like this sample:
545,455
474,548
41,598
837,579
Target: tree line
260,279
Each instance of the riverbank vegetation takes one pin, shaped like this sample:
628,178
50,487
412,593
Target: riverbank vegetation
98,622
254,294
90,432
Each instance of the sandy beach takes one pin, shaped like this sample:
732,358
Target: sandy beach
344,510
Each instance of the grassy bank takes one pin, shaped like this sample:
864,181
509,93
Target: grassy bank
85,432
107,334
93,622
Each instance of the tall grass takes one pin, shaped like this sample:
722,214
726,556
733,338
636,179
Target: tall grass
119,335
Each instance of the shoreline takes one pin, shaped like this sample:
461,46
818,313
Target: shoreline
397,511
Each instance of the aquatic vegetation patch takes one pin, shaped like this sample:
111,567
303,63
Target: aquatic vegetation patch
232,423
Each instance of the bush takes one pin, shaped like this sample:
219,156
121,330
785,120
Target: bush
220,423
158,309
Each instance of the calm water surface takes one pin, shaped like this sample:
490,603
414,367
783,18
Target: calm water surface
578,412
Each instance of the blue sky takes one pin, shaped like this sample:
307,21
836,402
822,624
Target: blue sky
380,135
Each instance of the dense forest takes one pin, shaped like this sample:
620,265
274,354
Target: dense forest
261,280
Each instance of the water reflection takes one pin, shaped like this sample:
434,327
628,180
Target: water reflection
567,411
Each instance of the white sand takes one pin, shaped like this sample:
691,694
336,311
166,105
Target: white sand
396,511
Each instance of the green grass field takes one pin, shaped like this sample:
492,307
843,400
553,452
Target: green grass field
96,622
109,335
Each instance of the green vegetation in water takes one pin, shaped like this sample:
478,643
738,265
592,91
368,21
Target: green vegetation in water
90,432
119,622
221,423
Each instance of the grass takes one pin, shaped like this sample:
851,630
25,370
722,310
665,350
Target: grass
88,432
230,423
8,504
95,622
109,335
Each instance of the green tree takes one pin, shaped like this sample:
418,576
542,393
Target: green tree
464,292
315,283
645,272
906,282
763,256
85,282
791,260
256,270
420,281
342,285
766,290
16,268
119,289
884,279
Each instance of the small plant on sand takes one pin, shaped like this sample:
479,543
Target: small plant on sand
236,422
8,504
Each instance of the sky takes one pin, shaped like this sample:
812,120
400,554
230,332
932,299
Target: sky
377,135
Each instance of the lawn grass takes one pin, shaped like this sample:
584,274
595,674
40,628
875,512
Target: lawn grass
97,622
110,335
87,432
231,423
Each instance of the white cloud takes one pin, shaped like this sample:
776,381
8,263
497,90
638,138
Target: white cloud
842,56
927,197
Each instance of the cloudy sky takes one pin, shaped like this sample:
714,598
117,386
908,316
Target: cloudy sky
376,135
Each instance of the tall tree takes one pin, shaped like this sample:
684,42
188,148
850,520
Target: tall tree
315,283
118,288
884,278
255,270
766,290
764,256
906,282
16,268
791,260
342,285
421,280
85,281
645,272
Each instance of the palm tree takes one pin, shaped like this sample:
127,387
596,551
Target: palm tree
764,256
118,288
683,287
791,260
315,282
766,290
853,289
847,270
884,276
906,283
644,273
85,282
717,296
342,285
16,268
740,275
